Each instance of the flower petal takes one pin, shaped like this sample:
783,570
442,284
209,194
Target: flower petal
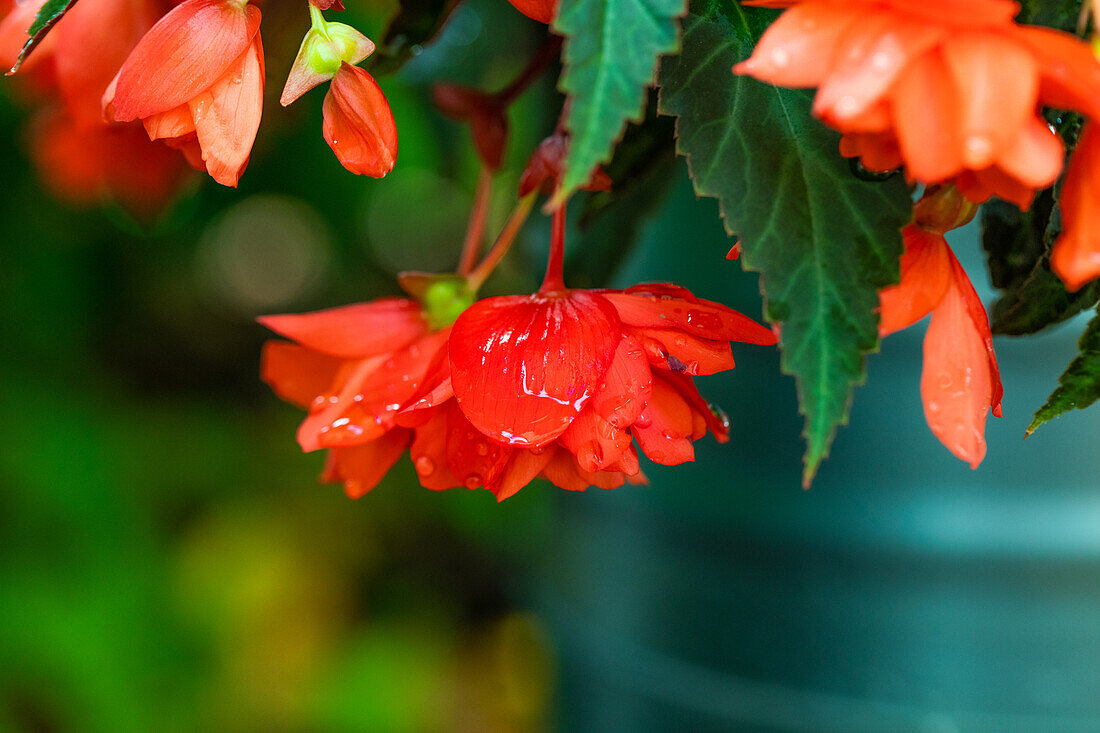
181,56
354,331
1076,256
473,458
925,276
926,116
523,367
625,389
797,50
594,441
1069,72
675,350
523,468
358,124
664,428
998,87
637,307
1035,158
361,467
563,471
429,451
176,122
227,116
956,381
297,374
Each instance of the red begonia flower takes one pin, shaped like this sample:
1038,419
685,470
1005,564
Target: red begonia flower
1076,255
540,10
960,381
196,80
591,371
950,90
358,123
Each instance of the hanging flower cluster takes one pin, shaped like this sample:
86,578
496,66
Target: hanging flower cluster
580,386
951,90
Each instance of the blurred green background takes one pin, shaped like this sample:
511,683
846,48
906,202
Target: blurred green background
169,562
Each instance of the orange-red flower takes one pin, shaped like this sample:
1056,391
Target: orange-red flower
358,123
572,378
960,381
1076,255
196,80
948,88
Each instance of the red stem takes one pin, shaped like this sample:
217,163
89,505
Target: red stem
475,229
515,222
555,263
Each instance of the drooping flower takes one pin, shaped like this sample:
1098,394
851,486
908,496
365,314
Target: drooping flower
960,381
358,123
948,88
579,375
196,81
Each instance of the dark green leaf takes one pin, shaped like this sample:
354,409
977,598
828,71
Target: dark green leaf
1079,386
610,58
644,147
824,240
48,15
417,22
1060,14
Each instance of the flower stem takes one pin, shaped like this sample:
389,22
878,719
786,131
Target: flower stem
500,247
555,263
475,229
546,53
317,20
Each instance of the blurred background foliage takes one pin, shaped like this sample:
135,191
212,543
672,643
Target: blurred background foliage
168,561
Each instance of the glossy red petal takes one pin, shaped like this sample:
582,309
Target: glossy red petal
181,56
227,116
358,124
675,350
354,331
625,389
714,418
429,451
664,429
595,442
297,374
925,276
697,317
980,319
473,459
523,468
563,471
540,10
361,467
523,367
1035,157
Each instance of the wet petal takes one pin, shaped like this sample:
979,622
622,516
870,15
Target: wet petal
473,459
698,317
358,124
625,389
523,468
429,451
563,471
594,441
361,467
926,116
523,367
675,350
925,275
664,429
353,331
956,381
297,374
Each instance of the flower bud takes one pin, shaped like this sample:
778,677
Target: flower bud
324,48
942,208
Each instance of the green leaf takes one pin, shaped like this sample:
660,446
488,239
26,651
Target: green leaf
824,240
47,17
610,58
1060,14
1079,386
416,22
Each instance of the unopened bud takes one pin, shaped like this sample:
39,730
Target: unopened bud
942,208
324,48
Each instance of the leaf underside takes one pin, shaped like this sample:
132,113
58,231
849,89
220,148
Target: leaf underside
1079,386
47,17
609,60
824,241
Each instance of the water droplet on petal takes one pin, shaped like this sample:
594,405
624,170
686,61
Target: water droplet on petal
644,420
704,320
482,448
424,466
473,481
